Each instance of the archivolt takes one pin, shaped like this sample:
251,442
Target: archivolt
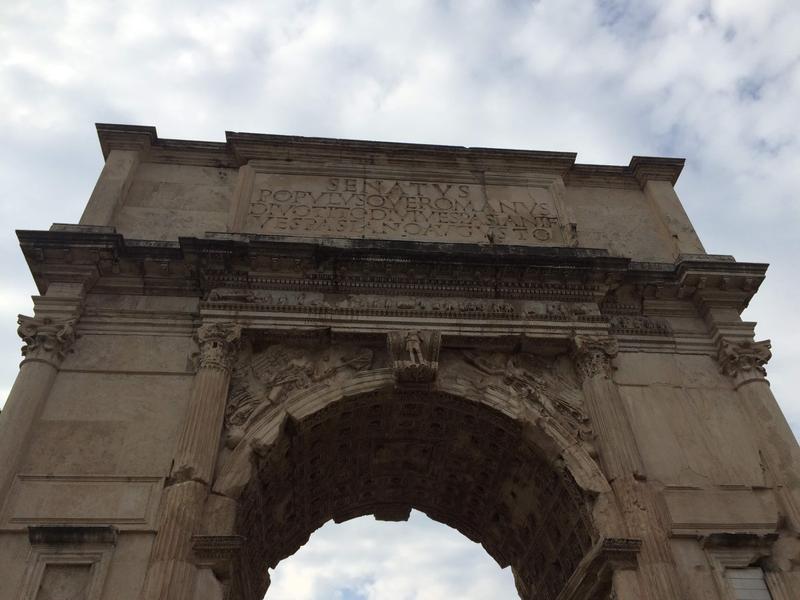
478,463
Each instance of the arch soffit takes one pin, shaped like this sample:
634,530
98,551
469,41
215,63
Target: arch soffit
542,432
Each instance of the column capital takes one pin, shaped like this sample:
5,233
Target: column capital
592,355
218,344
46,339
744,360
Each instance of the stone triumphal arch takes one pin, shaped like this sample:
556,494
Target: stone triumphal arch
241,341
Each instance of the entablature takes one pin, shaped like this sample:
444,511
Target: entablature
469,289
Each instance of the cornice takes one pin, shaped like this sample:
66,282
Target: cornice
304,154
654,168
195,266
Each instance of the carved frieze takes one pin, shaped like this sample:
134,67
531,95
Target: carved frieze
218,343
414,354
45,338
639,325
417,306
266,377
743,358
593,355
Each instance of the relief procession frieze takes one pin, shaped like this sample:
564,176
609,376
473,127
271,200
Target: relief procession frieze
404,209
424,306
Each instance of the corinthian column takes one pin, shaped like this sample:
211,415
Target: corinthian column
171,573
622,464
46,342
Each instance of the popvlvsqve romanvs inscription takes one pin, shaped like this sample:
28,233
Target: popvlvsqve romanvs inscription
403,209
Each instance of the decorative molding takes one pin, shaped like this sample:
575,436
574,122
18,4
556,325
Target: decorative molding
218,343
46,339
217,552
593,355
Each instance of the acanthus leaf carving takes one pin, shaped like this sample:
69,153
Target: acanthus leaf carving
593,355
414,354
266,377
218,343
45,338
743,358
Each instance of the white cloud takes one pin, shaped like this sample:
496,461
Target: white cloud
369,560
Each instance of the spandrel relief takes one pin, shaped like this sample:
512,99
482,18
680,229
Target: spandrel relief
544,385
265,377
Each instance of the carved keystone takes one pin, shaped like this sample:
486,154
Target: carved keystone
415,355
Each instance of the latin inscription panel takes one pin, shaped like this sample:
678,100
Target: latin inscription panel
403,210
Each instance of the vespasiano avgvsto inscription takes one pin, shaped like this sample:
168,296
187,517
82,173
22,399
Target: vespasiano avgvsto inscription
391,208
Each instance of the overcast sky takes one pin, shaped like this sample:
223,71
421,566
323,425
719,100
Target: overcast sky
715,82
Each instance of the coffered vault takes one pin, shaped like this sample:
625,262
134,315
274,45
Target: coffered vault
240,341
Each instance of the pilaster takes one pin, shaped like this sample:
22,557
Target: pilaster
620,458
744,362
47,337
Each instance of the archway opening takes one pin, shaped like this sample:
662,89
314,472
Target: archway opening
385,452
366,559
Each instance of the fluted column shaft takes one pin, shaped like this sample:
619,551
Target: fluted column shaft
622,464
171,573
46,341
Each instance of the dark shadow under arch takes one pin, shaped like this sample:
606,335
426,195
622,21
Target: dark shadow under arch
385,451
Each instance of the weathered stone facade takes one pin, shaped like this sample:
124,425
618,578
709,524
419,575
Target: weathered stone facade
241,341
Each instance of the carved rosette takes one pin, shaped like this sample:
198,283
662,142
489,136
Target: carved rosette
46,339
744,359
218,344
593,356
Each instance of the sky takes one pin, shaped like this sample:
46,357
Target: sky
715,82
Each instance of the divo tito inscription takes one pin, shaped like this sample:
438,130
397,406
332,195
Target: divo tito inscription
400,209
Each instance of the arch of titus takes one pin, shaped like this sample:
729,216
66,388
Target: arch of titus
240,341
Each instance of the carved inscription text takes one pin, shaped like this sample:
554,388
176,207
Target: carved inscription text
399,209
